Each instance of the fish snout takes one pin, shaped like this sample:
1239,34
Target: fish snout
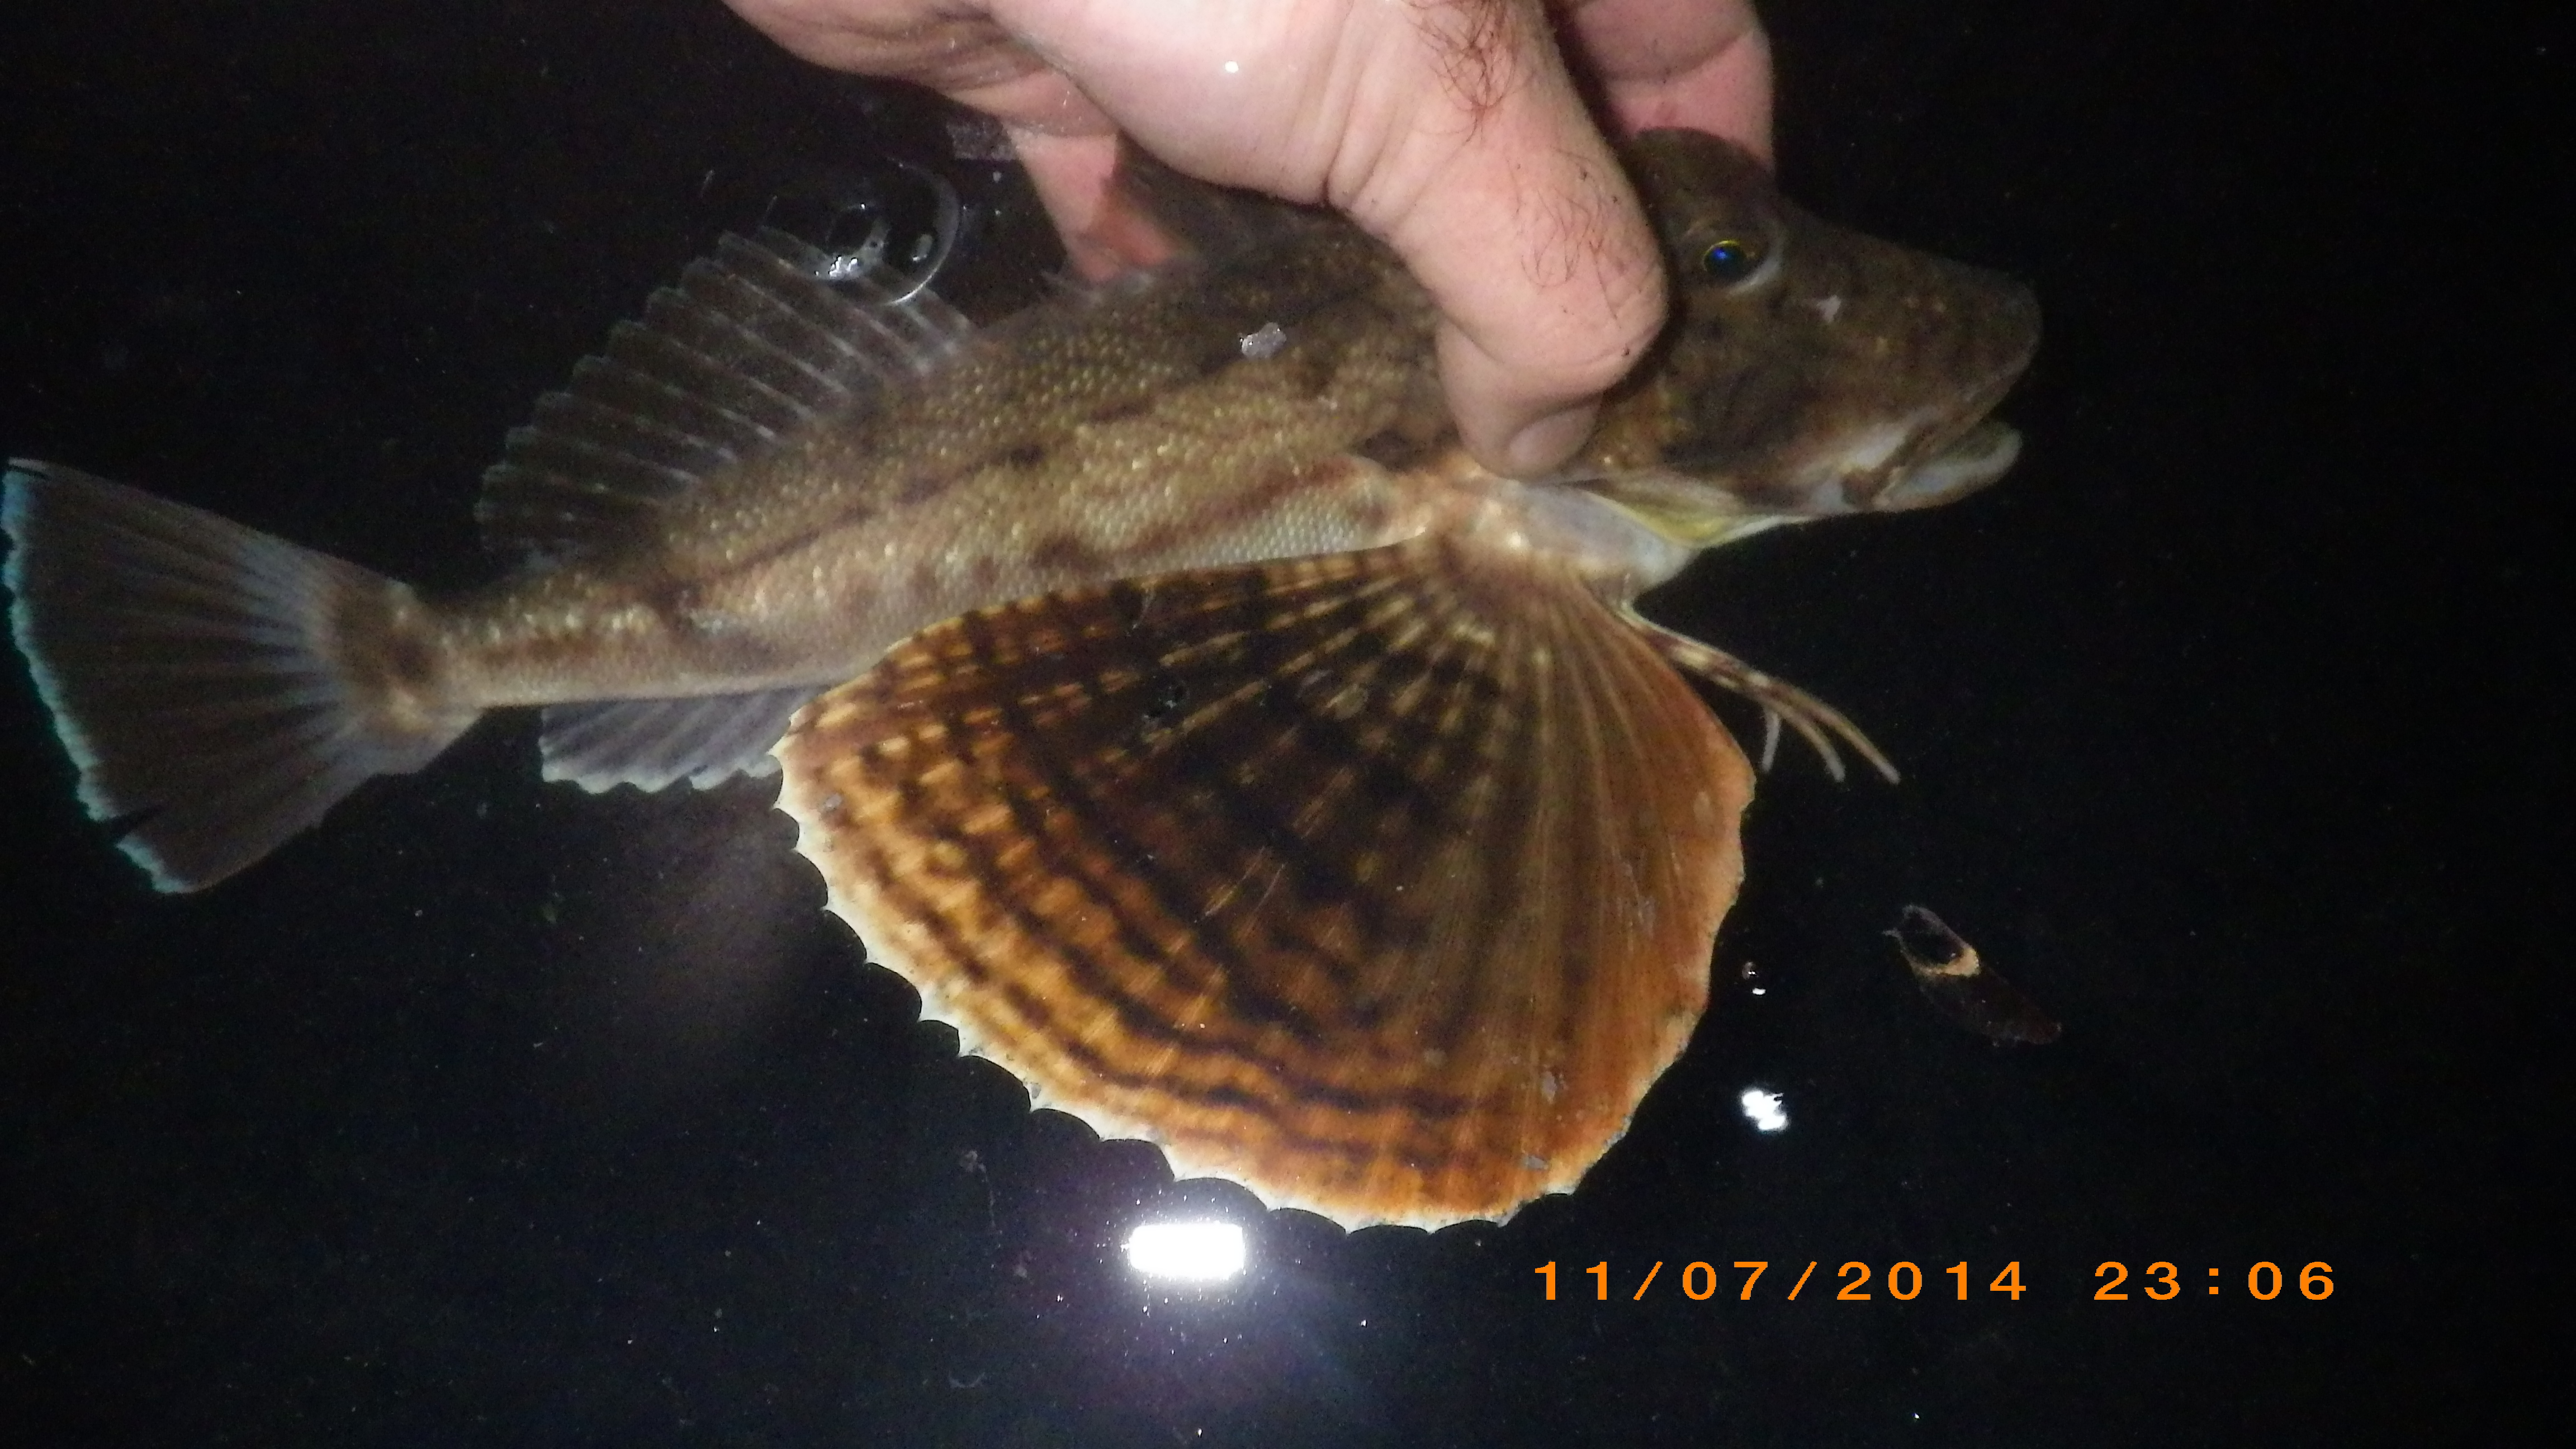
1912,358
1959,447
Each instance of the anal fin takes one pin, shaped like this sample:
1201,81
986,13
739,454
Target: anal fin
653,743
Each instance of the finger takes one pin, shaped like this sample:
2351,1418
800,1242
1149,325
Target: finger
1703,64
1506,202
907,38
1509,428
1104,233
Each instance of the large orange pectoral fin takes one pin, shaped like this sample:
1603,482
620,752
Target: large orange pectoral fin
1382,882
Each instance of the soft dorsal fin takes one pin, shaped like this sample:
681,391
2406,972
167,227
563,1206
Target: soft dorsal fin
751,348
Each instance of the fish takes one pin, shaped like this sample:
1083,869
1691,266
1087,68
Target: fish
1154,680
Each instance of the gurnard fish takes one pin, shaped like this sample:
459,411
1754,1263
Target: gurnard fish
1157,684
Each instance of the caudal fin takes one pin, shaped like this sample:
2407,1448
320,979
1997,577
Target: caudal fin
218,688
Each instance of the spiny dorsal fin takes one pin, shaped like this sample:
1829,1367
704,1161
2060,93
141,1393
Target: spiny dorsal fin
1383,882
750,349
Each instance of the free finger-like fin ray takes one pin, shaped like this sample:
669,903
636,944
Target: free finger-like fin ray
1382,882
1818,723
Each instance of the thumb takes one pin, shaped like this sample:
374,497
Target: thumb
1523,227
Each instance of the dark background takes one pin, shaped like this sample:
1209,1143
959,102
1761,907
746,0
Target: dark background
2233,729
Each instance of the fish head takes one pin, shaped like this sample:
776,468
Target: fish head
1808,370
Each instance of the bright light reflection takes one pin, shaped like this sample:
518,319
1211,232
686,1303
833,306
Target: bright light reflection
1186,1252
1764,1110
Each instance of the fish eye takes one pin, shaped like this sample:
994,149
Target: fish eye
1730,259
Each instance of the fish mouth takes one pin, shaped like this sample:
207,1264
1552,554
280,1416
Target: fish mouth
1955,468
1974,448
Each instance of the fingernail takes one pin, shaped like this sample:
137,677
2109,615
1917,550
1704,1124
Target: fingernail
1543,445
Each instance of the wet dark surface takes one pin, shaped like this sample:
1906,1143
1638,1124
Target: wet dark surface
2232,723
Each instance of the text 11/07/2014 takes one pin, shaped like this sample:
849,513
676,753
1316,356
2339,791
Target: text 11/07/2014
1904,1281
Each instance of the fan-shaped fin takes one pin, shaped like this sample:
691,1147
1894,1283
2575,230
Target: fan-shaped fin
1382,882
218,688
751,348
652,743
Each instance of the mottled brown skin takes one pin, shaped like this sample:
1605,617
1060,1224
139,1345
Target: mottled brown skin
1126,432
1088,439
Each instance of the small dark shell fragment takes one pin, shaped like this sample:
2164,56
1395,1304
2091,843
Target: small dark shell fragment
1967,990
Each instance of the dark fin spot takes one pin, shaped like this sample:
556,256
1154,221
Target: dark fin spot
1124,410
1064,554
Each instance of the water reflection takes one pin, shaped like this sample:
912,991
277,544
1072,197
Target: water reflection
1186,1252
1765,1109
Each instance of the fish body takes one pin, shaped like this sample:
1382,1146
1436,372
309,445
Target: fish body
1199,726
1111,433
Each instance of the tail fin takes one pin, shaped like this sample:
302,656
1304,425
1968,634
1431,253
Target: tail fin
219,689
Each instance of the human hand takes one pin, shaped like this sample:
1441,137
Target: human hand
1449,128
